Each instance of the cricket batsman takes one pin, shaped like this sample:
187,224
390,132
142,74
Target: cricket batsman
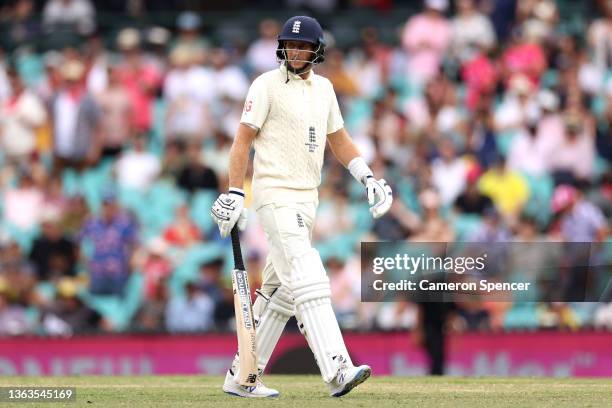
290,114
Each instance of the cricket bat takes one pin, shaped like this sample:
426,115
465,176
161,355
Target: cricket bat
245,324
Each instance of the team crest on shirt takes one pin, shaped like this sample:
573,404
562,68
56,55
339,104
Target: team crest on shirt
247,106
312,140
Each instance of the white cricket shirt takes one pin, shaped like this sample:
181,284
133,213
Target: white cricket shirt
294,119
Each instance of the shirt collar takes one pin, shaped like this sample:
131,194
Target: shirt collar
308,80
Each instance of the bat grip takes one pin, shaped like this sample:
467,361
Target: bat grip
238,262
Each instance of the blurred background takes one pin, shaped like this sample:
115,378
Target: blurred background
491,120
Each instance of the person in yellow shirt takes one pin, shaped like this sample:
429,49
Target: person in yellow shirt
507,189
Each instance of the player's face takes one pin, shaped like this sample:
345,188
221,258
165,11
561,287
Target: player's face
298,52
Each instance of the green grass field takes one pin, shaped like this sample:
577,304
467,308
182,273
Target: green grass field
309,391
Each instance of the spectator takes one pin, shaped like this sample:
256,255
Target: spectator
526,154
342,80
551,127
17,271
472,31
335,217
372,63
182,232
600,39
196,175
388,126
116,115
345,292
448,173
216,156
173,161
506,188
574,156
193,312
96,60
23,206
76,120
51,81
13,316
472,201
55,200
188,25
580,220
604,131
433,227
471,316
261,54
503,16
211,279
74,15
493,229
211,283
480,74
436,112
519,105
481,137
426,51
21,116
140,79
158,39
67,315
137,168
526,57
230,85
5,87
397,315
189,90
112,237
156,267
75,215
22,25
601,196
53,254
151,315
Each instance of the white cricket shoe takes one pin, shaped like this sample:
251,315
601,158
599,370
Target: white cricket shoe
348,378
231,386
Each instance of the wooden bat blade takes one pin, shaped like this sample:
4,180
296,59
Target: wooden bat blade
245,328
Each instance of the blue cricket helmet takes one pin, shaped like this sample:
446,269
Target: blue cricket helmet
302,28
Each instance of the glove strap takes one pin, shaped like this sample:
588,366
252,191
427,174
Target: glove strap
237,191
360,170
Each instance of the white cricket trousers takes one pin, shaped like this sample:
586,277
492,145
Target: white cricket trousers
288,228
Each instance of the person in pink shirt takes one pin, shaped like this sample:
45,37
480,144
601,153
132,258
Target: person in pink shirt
23,205
139,78
480,75
526,57
156,267
425,38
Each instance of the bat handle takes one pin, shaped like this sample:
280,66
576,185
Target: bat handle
238,262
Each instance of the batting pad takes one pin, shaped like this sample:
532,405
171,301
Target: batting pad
316,318
277,309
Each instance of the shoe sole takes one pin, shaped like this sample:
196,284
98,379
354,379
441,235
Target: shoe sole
244,396
361,376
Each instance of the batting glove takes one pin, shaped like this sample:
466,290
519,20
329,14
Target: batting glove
228,210
380,196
